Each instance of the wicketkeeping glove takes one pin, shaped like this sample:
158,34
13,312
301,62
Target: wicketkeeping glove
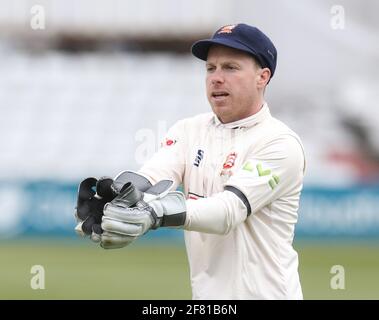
93,194
157,207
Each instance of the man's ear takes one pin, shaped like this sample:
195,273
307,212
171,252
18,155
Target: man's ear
264,77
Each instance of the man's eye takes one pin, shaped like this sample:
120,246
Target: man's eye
230,67
210,69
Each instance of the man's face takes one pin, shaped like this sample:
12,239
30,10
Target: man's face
233,82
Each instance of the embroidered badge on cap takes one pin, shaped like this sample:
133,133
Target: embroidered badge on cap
227,29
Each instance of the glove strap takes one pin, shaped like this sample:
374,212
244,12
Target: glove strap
140,182
129,196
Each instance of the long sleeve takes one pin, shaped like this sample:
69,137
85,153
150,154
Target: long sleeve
218,214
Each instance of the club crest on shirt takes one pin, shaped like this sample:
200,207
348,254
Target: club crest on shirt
228,164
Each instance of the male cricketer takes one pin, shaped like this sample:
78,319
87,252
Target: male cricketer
241,172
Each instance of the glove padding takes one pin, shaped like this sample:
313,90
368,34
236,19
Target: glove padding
157,207
93,194
111,238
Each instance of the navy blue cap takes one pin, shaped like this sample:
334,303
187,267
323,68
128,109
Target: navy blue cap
241,37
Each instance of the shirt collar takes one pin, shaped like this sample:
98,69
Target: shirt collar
248,122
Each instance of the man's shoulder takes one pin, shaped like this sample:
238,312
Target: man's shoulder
278,138
274,134
278,128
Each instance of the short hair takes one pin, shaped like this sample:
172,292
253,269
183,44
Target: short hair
256,61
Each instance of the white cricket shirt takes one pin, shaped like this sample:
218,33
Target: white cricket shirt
243,182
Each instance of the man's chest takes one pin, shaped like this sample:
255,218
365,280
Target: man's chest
213,157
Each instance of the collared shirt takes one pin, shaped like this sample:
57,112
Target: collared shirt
243,182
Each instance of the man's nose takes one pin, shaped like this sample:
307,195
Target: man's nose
216,77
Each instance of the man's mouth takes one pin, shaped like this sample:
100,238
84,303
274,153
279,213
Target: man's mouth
219,95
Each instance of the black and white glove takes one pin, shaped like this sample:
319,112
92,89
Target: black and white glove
157,207
93,194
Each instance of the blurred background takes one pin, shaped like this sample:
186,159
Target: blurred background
88,88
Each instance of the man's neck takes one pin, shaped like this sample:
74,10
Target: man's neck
257,107
247,115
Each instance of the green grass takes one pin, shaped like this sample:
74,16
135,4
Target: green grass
85,271
81,270
361,268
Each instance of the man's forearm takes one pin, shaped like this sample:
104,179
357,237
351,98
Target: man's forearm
218,214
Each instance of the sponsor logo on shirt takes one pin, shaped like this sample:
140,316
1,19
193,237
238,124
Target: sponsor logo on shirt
168,142
262,172
199,157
